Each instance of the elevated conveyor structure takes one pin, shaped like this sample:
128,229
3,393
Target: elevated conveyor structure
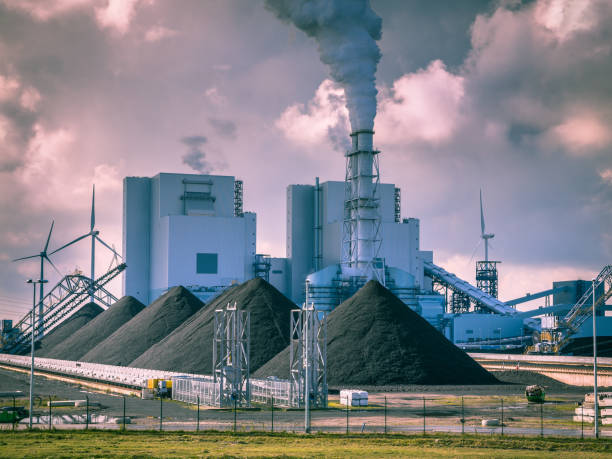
64,299
578,314
481,298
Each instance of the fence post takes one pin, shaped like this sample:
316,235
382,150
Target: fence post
198,422
502,416
385,414
541,419
272,401
123,418
161,412
50,423
462,417
347,415
235,406
15,413
582,421
86,412
424,415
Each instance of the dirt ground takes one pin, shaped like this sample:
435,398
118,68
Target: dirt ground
401,409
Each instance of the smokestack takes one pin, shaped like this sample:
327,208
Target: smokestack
363,203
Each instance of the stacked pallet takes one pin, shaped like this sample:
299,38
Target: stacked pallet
586,412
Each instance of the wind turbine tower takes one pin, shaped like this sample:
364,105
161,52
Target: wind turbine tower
43,257
486,271
94,237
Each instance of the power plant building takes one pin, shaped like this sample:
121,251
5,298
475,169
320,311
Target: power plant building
185,229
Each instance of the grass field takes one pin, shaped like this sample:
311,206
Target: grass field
215,444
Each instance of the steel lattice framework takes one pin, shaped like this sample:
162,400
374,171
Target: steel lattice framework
308,357
231,351
361,211
65,299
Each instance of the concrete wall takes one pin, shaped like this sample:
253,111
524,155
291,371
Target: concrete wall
300,239
278,274
468,327
136,237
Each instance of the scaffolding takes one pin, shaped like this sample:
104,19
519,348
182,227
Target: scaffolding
397,200
261,266
362,223
238,193
231,350
308,358
486,277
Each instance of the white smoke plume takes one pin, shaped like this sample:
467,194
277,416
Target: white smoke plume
346,32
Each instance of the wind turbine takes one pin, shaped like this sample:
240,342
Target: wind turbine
484,235
94,237
43,256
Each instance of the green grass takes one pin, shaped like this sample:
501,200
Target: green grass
258,444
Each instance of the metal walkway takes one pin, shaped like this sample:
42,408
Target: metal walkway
64,299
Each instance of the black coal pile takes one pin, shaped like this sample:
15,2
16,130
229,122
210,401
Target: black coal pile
97,330
375,339
189,347
67,328
147,328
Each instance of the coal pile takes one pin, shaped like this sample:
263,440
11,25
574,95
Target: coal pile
375,339
97,330
147,328
189,347
67,328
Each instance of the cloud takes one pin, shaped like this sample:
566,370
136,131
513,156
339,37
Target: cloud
606,175
112,14
158,33
322,119
116,15
424,106
45,10
581,134
225,128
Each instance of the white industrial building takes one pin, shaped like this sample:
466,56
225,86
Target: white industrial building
185,229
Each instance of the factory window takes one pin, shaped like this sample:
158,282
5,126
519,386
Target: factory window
469,331
276,271
206,263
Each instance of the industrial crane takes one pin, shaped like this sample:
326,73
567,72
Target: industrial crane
553,341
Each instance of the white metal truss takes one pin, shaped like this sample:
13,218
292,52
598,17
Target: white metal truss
231,350
63,300
308,358
352,203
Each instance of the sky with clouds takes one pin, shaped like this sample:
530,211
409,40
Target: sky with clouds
508,96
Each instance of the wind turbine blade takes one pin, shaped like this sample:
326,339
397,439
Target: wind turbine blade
54,267
108,247
70,243
49,237
26,258
474,251
482,223
93,208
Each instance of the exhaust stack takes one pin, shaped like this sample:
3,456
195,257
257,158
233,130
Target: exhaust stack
362,222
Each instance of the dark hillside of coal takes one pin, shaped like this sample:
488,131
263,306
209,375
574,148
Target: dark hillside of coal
189,347
97,330
147,328
375,339
67,328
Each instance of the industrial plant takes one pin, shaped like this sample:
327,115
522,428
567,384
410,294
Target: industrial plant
356,300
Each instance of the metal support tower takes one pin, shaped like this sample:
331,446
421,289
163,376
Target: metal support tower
361,238
486,277
397,205
261,266
308,358
460,303
231,350
238,193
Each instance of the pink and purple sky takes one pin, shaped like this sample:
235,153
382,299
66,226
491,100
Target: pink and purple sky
508,96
